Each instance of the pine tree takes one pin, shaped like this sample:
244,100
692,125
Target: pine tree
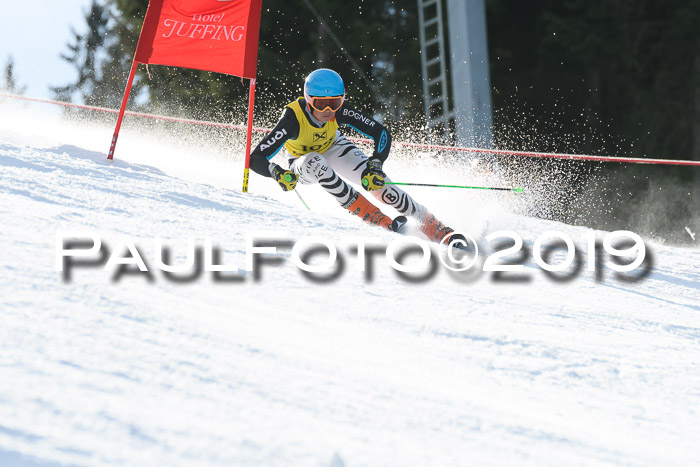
10,82
99,59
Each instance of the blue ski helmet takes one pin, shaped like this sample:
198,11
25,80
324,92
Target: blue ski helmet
323,83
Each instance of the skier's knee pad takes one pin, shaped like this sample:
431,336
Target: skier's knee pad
314,168
389,195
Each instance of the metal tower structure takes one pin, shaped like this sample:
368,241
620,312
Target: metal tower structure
455,70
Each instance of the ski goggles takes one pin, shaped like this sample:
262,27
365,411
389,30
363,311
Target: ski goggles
320,104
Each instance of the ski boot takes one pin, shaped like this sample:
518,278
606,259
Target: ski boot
438,232
369,213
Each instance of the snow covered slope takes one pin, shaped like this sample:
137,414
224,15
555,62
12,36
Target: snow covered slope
453,370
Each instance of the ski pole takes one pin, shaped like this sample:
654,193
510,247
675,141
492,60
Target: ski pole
302,200
516,190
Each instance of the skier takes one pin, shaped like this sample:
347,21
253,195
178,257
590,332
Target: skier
318,153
